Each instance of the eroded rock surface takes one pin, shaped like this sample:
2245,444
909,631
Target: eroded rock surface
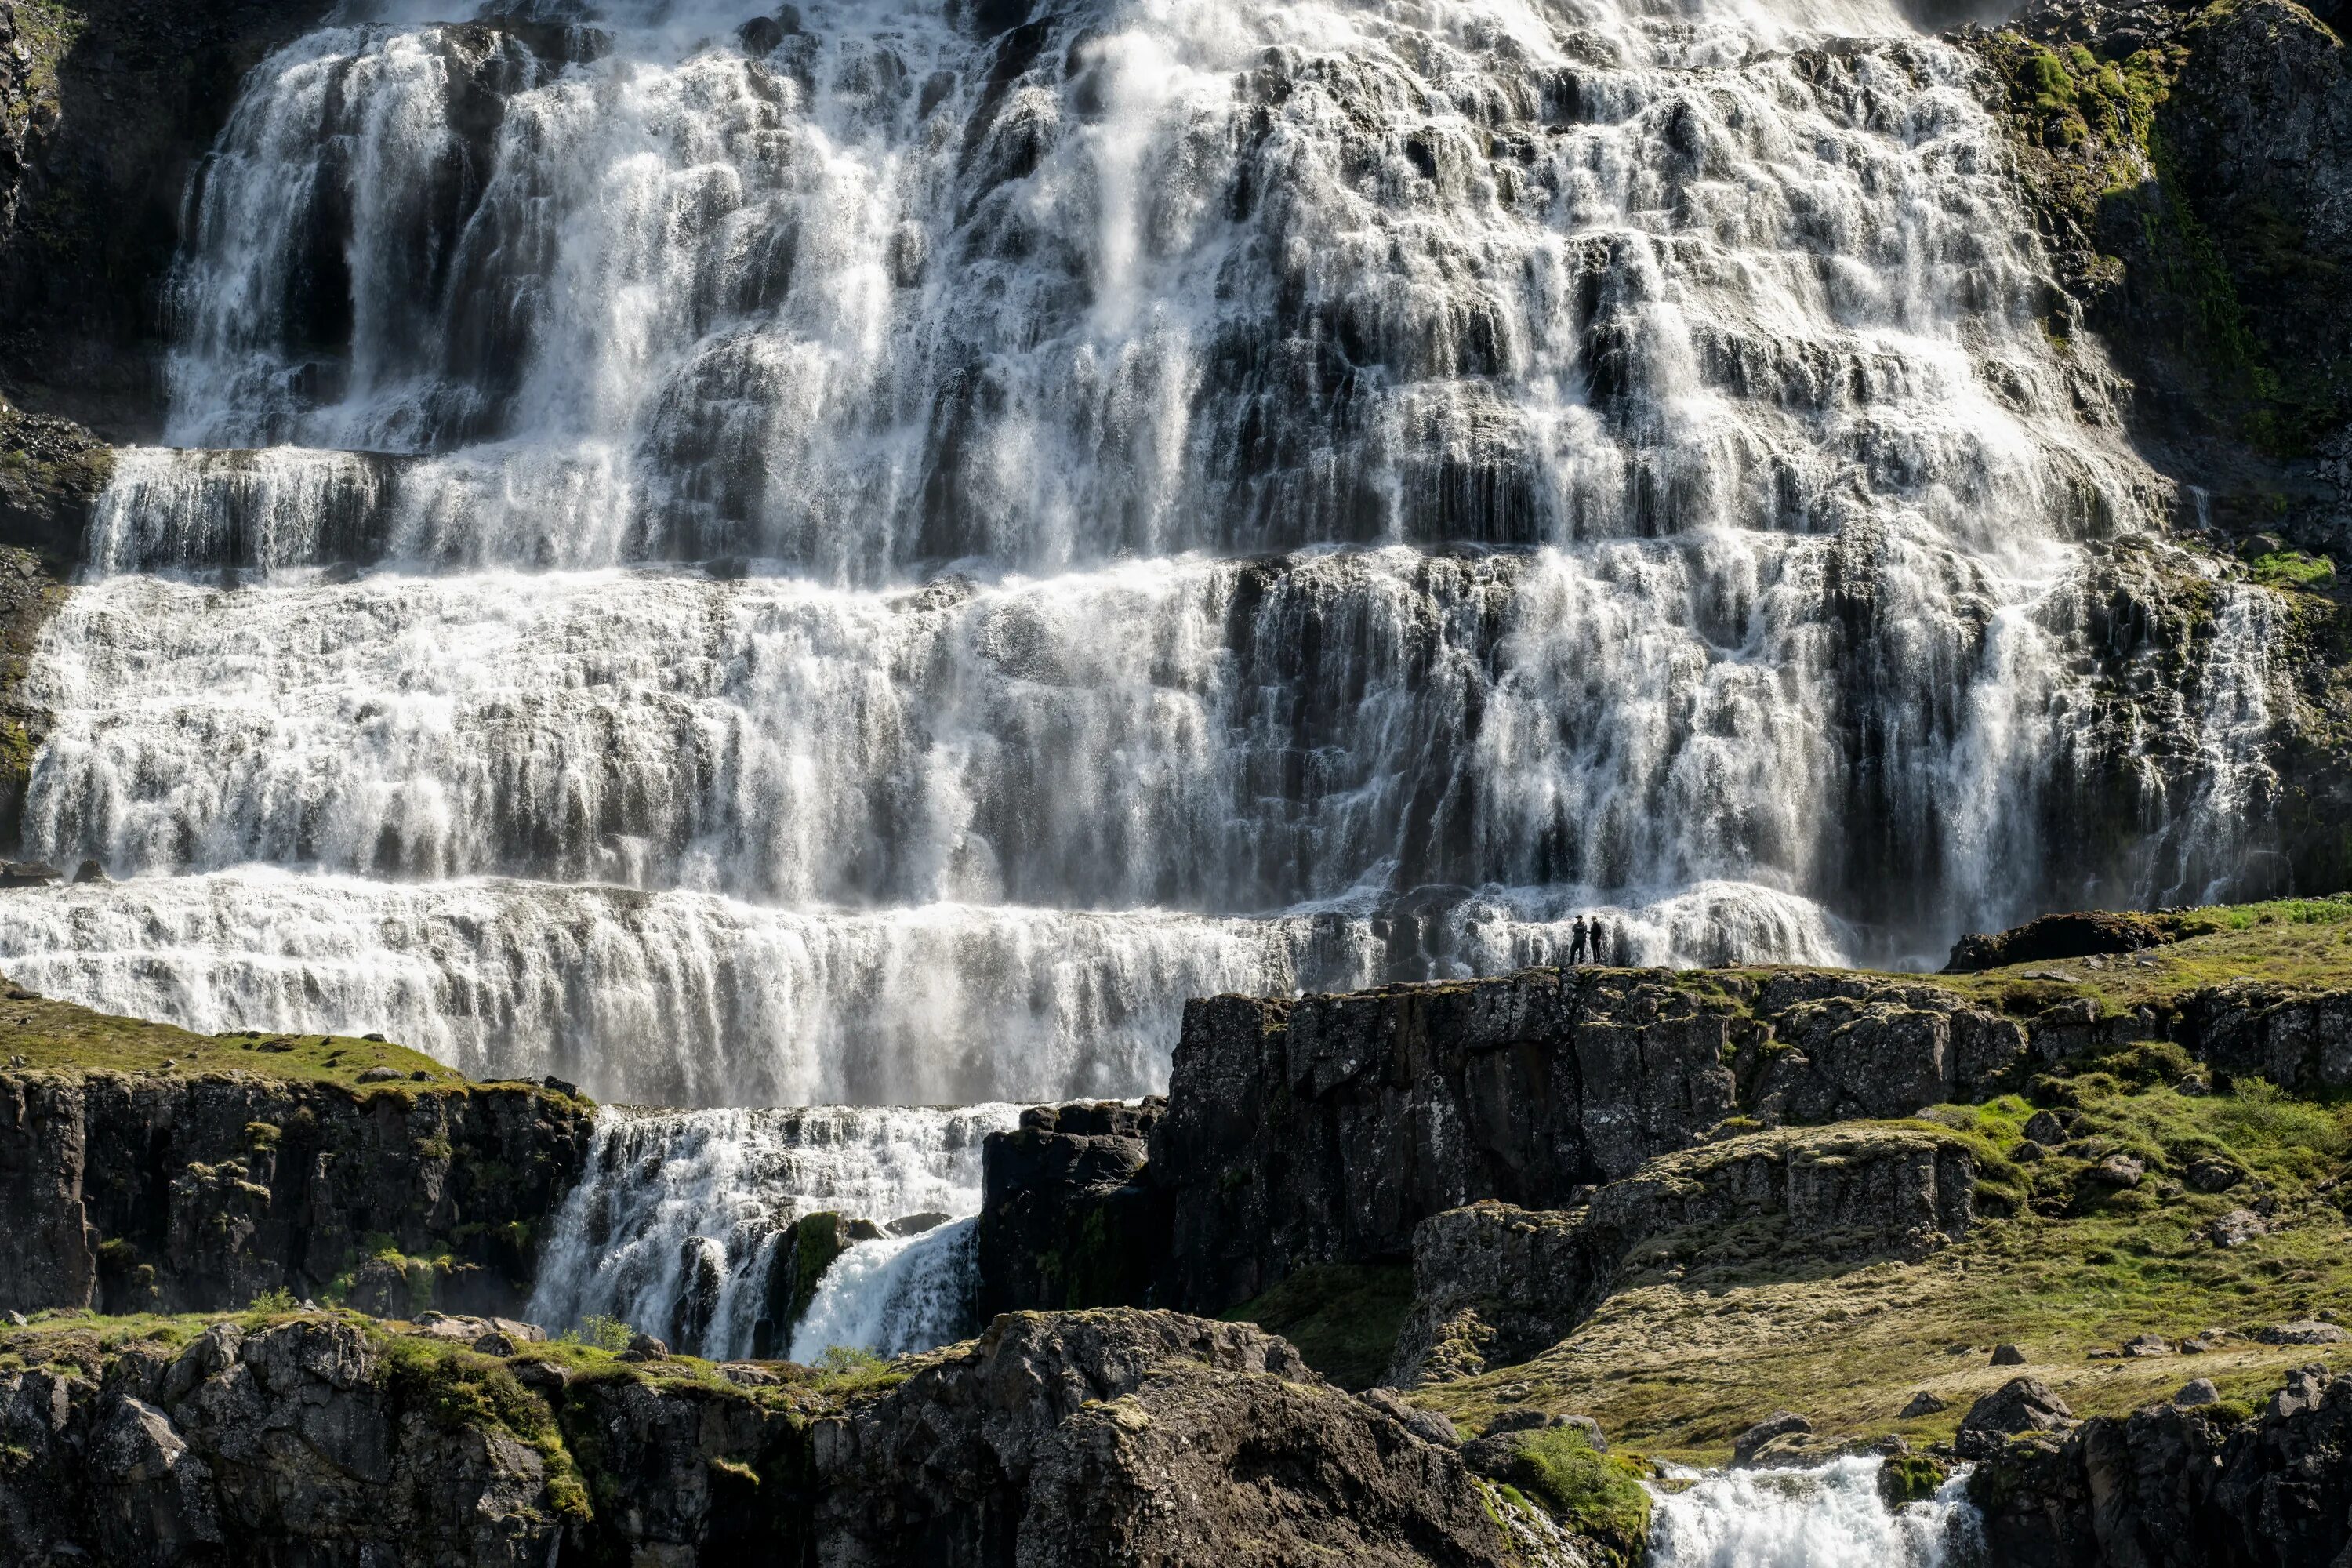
135,1193
1326,1129
2181,1486
1493,1284
1065,1440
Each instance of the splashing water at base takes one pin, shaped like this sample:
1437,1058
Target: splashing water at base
1833,1517
892,1297
677,1227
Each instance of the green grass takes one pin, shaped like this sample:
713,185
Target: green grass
2293,568
1689,1354
60,1037
1599,1496
1343,1317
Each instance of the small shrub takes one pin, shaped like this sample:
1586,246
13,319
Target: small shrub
600,1333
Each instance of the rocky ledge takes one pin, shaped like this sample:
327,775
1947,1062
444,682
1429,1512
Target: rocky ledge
1493,1284
148,1192
1100,1437
2190,1483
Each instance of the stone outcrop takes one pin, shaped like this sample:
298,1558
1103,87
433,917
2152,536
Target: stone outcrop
1143,1438
2302,1042
160,1194
1494,1284
1066,1219
1326,1129
2175,1485
1095,1438
2058,937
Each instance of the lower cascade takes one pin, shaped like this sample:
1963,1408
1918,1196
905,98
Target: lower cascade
1830,1517
685,1226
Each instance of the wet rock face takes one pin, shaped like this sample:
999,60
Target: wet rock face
1066,1218
1136,1438
1494,1284
105,106
165,1194
1326,1129
2169,1486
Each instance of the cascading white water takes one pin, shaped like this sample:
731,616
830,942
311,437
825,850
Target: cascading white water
1830,1517
867,554
892,1296
676,1227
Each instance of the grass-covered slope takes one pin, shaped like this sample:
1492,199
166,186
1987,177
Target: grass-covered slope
39,1035
1705,1339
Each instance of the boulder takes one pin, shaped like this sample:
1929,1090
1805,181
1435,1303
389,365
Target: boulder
1754,1440
2237,1228
2144,1345
1921,1404
1427,1425
2008,1355
2054,937
2304,1331
2118,1170
2197,1391
2022,1406
2210,1176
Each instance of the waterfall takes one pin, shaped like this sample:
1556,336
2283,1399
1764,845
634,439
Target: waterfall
866,554
676,1227
892,1296
1832,1516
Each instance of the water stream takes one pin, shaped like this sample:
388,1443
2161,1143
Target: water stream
1828,1517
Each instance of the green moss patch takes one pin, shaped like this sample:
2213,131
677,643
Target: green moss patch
1595,1495
1343,1317
60,1037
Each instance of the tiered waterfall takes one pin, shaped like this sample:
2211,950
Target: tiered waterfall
864,552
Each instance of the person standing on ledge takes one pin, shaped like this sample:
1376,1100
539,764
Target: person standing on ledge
1576,942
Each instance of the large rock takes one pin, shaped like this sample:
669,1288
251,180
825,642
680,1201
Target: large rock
178,1195
1326,1129
1136,1438
1066,1219
2054,937
2181,1487
1067,1440
1493,1284
2301,1041
2023,1407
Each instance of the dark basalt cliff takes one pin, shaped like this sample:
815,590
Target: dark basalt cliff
2180,1487
188,1195
1326,1129
1138,1438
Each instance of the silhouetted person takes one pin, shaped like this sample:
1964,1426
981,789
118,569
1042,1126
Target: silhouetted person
1577,937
